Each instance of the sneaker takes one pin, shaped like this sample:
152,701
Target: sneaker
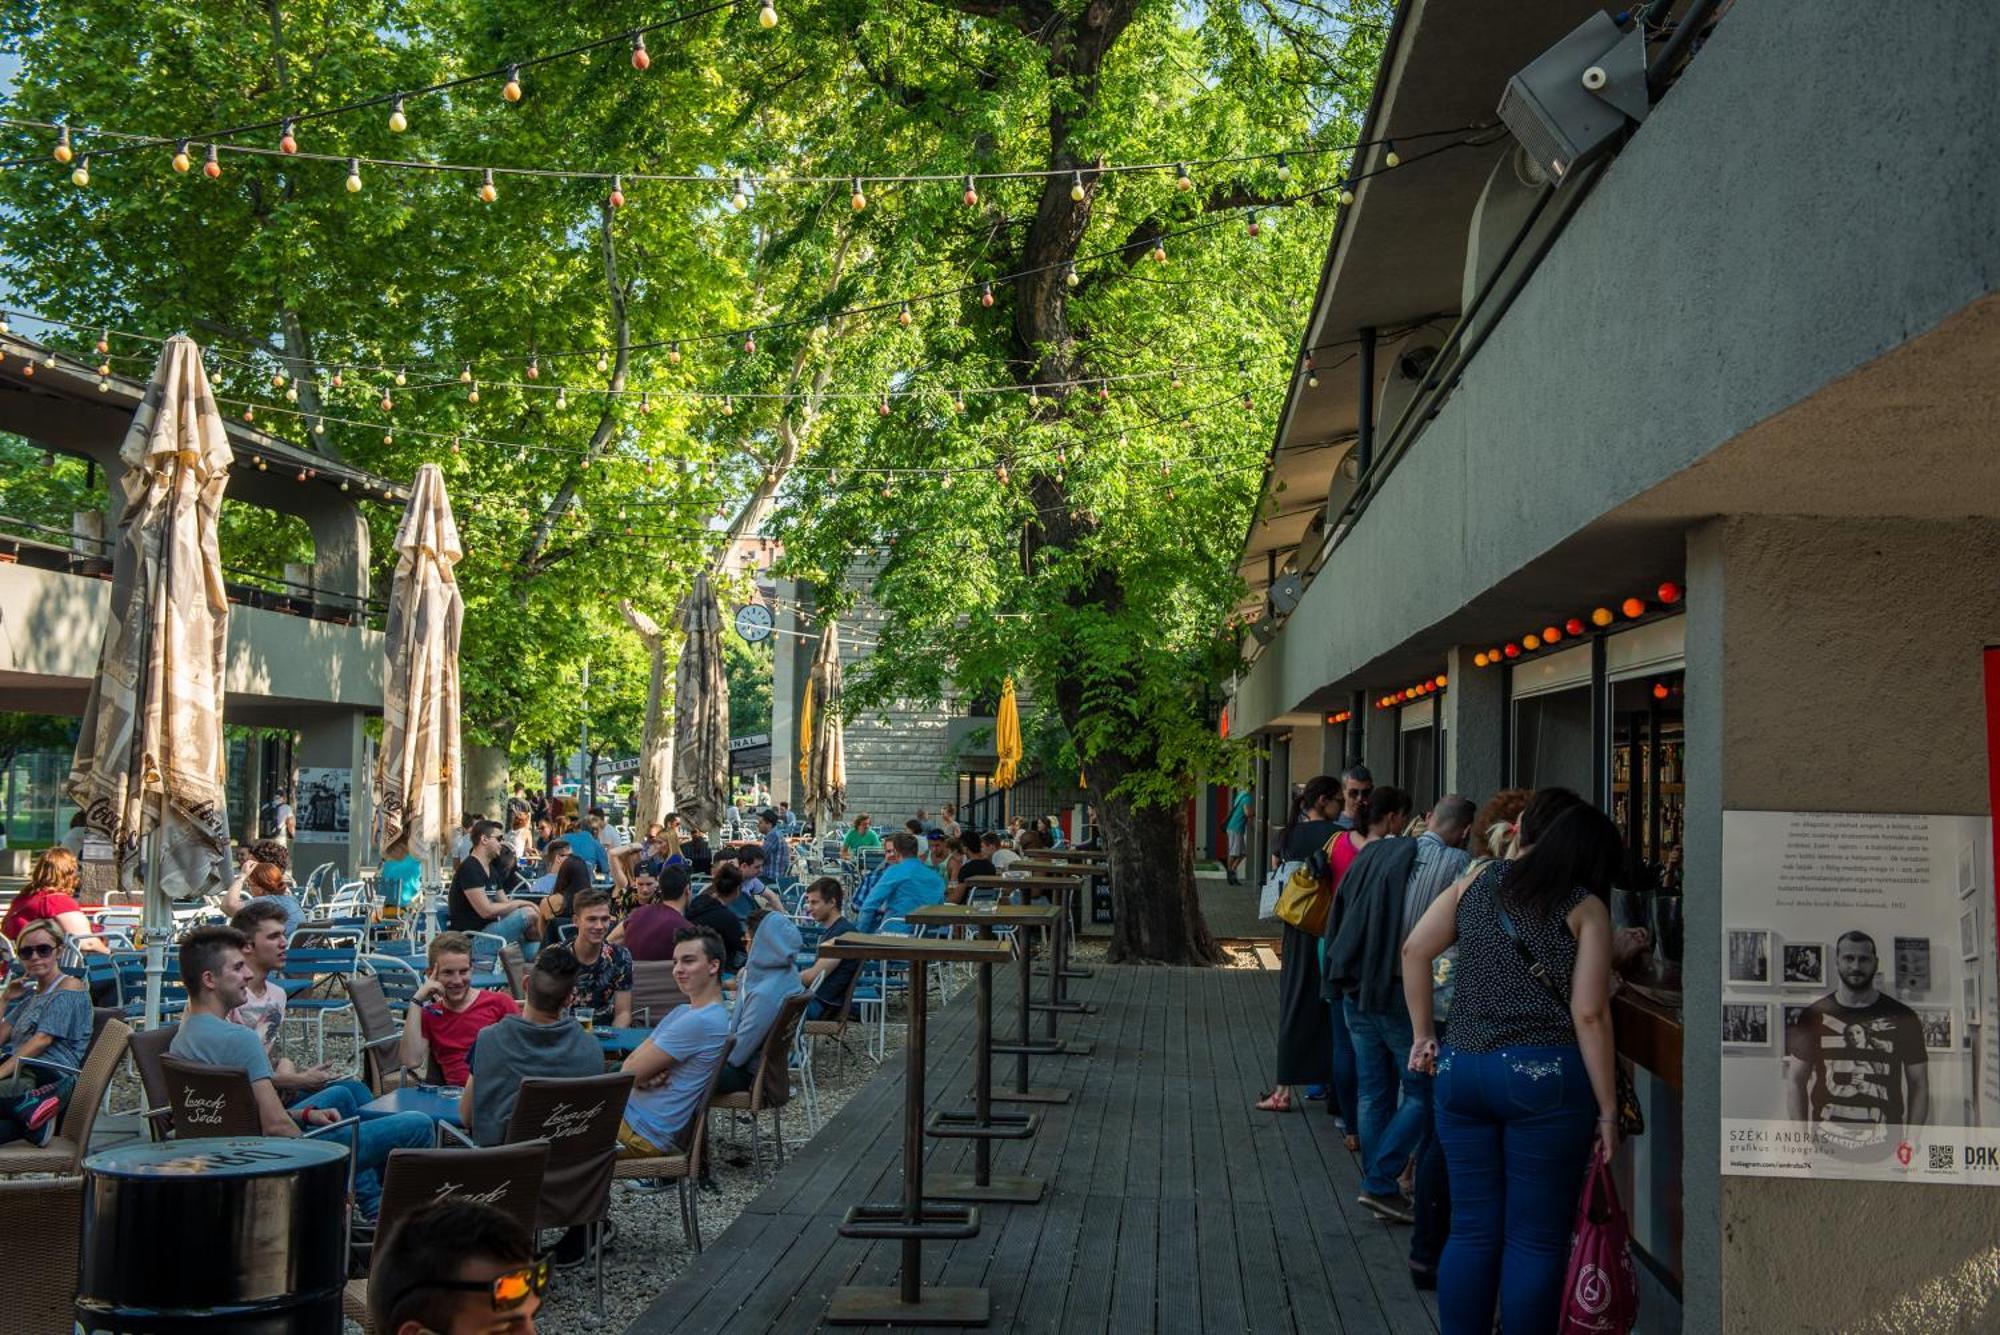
1316,1092
41,1122
574,1248
1397,1209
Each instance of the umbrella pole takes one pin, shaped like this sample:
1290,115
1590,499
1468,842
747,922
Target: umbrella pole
156,919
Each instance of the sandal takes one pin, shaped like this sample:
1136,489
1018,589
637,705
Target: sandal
1353,1144
1278,1100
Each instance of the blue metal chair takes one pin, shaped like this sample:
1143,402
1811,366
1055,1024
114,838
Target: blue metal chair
311,966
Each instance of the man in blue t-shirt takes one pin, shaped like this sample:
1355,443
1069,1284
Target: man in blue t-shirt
217,972
1237,828
584,842
671,1069
905,883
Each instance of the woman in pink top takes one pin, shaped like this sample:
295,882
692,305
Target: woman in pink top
1381,815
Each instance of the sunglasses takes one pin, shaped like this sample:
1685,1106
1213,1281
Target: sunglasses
38,952
508,1290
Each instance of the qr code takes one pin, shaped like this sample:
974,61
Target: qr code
1941,1156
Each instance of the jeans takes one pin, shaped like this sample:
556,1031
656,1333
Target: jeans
343,1096
1517,1127
510,927
371,1138
1391,1130
1346,1100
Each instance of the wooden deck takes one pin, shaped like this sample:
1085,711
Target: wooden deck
1171,1204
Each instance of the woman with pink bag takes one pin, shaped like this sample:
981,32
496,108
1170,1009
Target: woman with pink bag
1526,1085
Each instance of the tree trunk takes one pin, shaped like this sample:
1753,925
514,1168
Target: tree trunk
1156,916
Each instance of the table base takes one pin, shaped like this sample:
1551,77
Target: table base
993,1126
1064,1007
1071,971
1031,1096
1043,1048
999,1188
858,1305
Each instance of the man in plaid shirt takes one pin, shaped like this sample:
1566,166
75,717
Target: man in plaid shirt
777,853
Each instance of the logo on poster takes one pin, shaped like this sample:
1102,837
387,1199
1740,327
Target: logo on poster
1903,1153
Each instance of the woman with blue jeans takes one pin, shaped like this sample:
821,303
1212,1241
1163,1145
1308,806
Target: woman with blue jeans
1526,1087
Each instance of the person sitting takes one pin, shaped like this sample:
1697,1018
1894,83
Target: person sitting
266,884
905,884
701,858
604,969
829,979
715,909
651,927
215,967
587,842
402,884
1004,854
263,1012
457,1267
558,907
768,980
750,861
447,1012
540,1041
859,837
671,1068
48,1017
476,904
51,893
980,862
553,852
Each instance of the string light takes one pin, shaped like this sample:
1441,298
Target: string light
986,294
1346,193
1284,168
63,150
1601,617
971,196
354,176
741,199
640,60
767,16
673,356
1070,278
1633,608
511,90
858,201
1182,181
287,142
1076,188
398,122
903,316
1159,250
1390,157
1251,225
81,176
488,192
562,399
180,159
749,345
1669,593
617,197
211,166
603,363
401,378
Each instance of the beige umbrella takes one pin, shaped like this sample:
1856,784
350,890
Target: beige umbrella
701,711
417,769
149,755
826,789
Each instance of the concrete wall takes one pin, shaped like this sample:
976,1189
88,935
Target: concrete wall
1807,691
1816,190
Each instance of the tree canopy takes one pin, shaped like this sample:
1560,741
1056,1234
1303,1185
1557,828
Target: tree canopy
1029,395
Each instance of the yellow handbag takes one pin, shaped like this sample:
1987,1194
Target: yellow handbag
1308,894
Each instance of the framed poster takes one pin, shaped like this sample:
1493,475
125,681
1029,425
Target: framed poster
1866,1059
324,801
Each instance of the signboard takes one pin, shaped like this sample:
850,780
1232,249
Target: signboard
745,743
1858,1030
324,801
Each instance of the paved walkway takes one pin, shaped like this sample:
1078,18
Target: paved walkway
1172,1205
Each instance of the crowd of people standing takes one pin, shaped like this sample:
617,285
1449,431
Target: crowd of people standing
1452,1006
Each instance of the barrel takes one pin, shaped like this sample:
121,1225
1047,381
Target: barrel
245,1234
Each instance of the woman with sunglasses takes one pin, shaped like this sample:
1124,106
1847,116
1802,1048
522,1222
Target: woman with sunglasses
48,1017
459,1268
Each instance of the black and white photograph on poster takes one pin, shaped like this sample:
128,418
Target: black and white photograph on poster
1936,1021
1749,956
1880,1069
1913,965
1968,870
1805,965
1746,1024
323,804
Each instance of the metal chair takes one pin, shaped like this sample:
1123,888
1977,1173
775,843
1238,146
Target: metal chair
486,948
312,966
42,1250
772,1089
508,1177
514,964
148,1047
64,1153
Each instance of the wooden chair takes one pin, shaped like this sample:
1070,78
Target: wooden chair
148,1047
655,994
772,1089
507,1177
46,1214
683,1170
578,1120
64,1152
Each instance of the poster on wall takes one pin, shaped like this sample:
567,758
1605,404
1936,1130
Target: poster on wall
323,802
1858,1037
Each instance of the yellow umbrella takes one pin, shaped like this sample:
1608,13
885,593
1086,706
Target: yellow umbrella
806,738
1006,738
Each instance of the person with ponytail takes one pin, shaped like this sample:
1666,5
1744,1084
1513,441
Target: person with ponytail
1305,1029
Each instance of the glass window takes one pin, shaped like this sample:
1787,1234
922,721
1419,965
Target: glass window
1552,740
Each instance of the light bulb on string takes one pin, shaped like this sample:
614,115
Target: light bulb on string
741,199
81,176
103,342
388,404
1284,168
104,368
511,90
401,377
1312,373
277,380
63,152
1391,158
986,294
180,160
1160,250
617,196
288,142
1182,181
1346,193
338,381
728,409
640,60
1070,278
398,122
103,384
1250,224
882,408
354,176
488,192
903,316
767,15
562,399
472,395
319,427
673,355
971,195
534,368
211,165
465,374
291,394
1076,187
857,201
958,401
603,362
261,467
645,401
749,344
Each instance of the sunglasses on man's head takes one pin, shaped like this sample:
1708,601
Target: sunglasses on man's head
35,952
509,1290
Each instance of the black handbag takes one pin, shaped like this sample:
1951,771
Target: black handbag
1631,1118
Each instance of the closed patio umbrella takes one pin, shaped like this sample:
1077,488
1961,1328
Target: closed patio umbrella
1006,738
701,711
806,741
826,791
417,779
149,761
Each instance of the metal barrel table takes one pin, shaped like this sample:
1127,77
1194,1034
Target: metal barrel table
983,1125
912,1221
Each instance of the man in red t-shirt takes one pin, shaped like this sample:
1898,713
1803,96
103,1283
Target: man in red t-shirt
447,1012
